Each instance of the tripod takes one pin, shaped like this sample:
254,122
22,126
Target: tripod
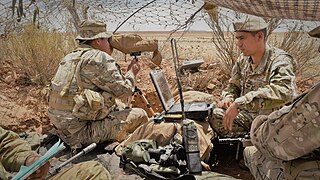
137,91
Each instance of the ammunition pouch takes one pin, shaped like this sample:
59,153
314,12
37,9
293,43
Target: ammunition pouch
64,103
91,105
138,151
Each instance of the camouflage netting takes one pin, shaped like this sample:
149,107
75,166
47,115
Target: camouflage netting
308,10
60,14
64,15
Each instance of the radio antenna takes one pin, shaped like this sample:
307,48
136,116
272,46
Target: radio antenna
176,67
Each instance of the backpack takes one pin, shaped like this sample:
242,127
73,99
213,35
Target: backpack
151,162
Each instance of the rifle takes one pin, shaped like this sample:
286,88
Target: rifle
189,130
56,170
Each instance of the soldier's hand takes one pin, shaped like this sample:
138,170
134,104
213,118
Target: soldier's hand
223,104
230,115
42,172
134,67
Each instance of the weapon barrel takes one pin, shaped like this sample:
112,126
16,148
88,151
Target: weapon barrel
89,148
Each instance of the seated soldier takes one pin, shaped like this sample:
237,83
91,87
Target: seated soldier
82,104
286,142
15,152
262,80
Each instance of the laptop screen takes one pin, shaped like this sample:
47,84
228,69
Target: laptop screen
162,87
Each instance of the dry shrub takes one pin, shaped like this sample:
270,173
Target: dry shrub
210,79
38,52
303,48
294,41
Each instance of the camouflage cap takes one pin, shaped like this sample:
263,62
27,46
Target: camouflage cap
91,29
250,23
315,32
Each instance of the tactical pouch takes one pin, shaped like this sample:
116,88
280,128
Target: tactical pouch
88,105
138,151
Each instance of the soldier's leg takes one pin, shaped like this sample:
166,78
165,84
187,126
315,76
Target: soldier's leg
162,133
261,167
90,170
216,122
123,123
115,127
302,168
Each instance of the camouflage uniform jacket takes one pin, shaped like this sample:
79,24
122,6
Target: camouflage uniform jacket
13,152
98,72
267,87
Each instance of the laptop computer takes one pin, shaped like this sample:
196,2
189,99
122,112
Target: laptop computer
193,110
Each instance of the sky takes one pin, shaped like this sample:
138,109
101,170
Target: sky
196,26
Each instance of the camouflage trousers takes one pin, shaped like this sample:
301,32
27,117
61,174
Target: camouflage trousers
240,127
90,170
261,167
115,127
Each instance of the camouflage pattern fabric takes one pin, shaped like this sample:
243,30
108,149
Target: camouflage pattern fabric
13,152
302,169
262,90
287,140
99,73
115,127
90,170
92,29
213,175
281,9
292,131
162,133
261,167
240,126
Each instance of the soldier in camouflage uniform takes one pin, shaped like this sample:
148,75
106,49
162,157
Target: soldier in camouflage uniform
286,142
83,100
15,152
262,80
